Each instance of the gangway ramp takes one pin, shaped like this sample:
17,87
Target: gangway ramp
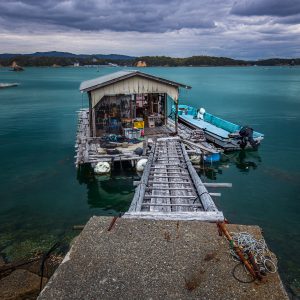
170,188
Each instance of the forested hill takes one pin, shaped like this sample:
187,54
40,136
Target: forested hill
66,59
213,61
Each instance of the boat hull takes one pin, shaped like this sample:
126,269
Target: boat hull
7,85
225,143
219,137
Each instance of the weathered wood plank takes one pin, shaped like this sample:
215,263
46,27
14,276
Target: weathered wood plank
171,182
205,198
169,188
169,196
212,216
172,204
217,185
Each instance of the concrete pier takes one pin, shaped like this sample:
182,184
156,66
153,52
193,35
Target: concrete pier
154,259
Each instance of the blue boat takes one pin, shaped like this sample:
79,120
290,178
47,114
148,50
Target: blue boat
222,133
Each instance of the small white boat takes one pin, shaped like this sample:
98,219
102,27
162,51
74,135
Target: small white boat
6,85
226,135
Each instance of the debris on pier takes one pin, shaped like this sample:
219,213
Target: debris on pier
89,151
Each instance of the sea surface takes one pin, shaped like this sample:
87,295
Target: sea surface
42,196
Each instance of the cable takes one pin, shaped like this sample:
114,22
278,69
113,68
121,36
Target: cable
238,279
20,264
44,258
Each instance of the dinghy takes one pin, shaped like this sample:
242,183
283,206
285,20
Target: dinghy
6,85
224,134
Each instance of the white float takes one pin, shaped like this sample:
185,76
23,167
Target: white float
141,164
195,159
201,113
102,167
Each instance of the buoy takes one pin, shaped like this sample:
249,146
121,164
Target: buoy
141,164
195,159
201,113
102,167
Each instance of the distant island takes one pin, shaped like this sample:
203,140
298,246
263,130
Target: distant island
56,59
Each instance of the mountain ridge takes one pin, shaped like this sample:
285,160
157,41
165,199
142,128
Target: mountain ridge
68,55
58,58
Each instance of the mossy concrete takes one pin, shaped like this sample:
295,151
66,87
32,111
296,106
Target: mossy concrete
145,259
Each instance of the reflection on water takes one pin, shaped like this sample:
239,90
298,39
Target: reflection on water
292,177
112,192
244,160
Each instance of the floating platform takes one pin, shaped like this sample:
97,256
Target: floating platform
89,151
154,259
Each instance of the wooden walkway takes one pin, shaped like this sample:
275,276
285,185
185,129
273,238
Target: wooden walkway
170,188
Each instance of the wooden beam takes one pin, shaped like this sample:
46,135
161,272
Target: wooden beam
169,182
138,197
152,176
168,189
205,198
211,216
170,196
215,194
217,185
171,204
94,122
176,117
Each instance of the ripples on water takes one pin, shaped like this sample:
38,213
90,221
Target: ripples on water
43,196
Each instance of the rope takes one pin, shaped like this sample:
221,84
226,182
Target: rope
238,279
258,248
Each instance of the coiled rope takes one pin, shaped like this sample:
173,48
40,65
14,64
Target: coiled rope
258,248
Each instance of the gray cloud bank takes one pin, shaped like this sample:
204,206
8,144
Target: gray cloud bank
116,15
242,29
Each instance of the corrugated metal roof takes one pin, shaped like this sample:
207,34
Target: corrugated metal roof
120,75
102,79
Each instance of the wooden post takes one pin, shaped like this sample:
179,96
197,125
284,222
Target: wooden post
90,113
176,117
166,108
93,122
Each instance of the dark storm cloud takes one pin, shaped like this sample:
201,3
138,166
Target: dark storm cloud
115,15
245,29
279,8
290,19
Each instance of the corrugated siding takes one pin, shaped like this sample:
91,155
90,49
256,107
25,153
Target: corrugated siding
134,85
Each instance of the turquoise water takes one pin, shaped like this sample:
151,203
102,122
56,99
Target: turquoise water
42,196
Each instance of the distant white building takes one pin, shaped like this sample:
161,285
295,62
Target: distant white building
76,64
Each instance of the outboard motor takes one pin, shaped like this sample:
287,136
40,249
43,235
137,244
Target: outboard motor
246,135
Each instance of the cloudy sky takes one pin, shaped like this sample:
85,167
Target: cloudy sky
248,29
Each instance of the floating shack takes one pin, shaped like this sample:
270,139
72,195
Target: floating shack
129,99
124,108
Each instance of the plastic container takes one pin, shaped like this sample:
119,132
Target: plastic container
132,133
139,124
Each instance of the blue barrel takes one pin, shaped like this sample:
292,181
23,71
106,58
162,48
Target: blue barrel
211,158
